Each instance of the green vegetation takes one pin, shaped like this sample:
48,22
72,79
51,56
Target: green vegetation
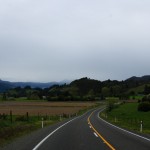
137,89
144,104
127,116
84,89
14,126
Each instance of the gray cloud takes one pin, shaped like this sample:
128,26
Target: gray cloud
47,40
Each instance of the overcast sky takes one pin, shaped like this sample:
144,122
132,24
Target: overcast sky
53,40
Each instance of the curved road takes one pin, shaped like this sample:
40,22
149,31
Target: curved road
87,132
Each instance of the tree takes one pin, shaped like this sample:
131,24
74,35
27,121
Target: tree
146,98
147,89
105,91
110,105
4,96
145,106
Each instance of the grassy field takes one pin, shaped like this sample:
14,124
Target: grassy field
127,116
19,118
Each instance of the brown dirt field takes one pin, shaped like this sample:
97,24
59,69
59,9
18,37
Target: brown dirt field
43,108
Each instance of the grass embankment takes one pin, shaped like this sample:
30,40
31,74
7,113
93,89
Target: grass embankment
127,116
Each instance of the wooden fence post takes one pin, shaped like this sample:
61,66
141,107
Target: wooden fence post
10,116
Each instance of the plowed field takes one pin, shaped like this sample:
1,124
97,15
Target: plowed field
42,108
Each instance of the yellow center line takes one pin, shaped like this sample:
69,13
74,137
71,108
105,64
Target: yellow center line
104,140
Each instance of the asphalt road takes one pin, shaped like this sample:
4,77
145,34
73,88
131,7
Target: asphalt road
87,132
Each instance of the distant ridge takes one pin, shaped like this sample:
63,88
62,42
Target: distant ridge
143,78
6,85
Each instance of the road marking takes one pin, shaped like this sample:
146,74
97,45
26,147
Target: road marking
40,143
89,126
123,129
95,134
104,140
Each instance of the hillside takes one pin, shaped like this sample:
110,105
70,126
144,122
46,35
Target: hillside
5,85
145,78
90,89
81,89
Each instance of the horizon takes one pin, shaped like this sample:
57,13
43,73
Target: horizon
73,79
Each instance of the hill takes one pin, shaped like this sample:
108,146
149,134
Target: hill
6,85
145,78
90,89
81,89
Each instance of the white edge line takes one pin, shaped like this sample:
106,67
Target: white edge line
41,142
95,134
121,128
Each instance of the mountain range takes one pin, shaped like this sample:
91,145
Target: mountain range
6,85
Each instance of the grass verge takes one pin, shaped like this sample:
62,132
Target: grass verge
127,116
11,130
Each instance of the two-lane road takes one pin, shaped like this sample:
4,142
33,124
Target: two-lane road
76,135
89,132
86,132
117,138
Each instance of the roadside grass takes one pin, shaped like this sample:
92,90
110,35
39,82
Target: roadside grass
21,126
127,116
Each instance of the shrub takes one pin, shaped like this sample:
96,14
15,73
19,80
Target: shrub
145,106
110,105
146,98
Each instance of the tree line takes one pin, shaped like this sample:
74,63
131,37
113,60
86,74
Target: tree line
82,89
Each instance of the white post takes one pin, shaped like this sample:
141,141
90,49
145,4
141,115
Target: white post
141,127
42,122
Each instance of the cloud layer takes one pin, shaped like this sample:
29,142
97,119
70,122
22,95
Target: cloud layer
52,40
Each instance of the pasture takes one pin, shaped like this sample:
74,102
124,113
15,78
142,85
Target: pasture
127,116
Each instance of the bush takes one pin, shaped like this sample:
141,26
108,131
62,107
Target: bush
110,105
146,98
145,106
21,118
